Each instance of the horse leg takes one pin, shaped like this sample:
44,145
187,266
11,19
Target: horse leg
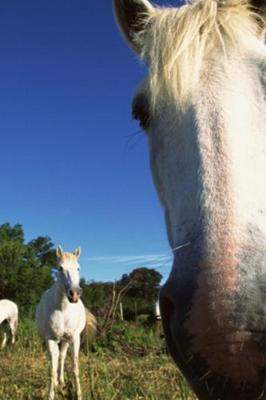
54,356
13,339
75,353
63,352
4,340
13,328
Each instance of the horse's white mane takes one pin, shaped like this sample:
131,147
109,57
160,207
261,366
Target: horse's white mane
175,42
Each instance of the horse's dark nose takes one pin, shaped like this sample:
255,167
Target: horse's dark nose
74,294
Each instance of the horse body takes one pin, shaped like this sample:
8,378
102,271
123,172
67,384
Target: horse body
208,160
9,319
60,318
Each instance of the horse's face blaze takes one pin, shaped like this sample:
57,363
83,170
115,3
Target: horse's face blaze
68,274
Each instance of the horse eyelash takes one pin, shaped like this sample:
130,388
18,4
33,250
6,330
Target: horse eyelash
140,111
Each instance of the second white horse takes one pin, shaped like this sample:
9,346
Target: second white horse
61,317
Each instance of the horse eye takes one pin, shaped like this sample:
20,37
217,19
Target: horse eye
60,269
140,110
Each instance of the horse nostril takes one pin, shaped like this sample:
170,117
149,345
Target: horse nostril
71,294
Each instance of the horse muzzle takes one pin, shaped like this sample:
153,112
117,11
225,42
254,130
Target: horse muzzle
74,295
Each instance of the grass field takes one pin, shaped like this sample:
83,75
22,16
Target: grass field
128,364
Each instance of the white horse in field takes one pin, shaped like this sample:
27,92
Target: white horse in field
203,106
8,320
61,317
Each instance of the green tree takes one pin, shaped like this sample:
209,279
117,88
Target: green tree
143,291
97,296
11,233
41,252
25,269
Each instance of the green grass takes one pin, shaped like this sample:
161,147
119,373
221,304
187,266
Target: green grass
126,364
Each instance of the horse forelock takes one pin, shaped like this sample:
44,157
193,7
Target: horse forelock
68,257
176,41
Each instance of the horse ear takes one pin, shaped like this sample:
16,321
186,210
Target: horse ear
131,16
59,252
77,252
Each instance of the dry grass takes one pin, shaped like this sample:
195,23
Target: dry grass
105,374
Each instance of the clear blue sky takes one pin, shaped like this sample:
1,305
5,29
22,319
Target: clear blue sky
73,165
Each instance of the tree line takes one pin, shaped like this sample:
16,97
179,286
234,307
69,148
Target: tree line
27,270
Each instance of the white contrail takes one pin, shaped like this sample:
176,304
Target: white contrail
153,260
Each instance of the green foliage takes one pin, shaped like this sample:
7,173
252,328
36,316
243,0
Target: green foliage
138,291
143,318
40,252
11,233
142,293
25,267
97,296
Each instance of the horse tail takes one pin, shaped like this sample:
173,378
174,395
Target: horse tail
90,331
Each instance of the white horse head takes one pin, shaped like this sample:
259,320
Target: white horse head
203,108
68,273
